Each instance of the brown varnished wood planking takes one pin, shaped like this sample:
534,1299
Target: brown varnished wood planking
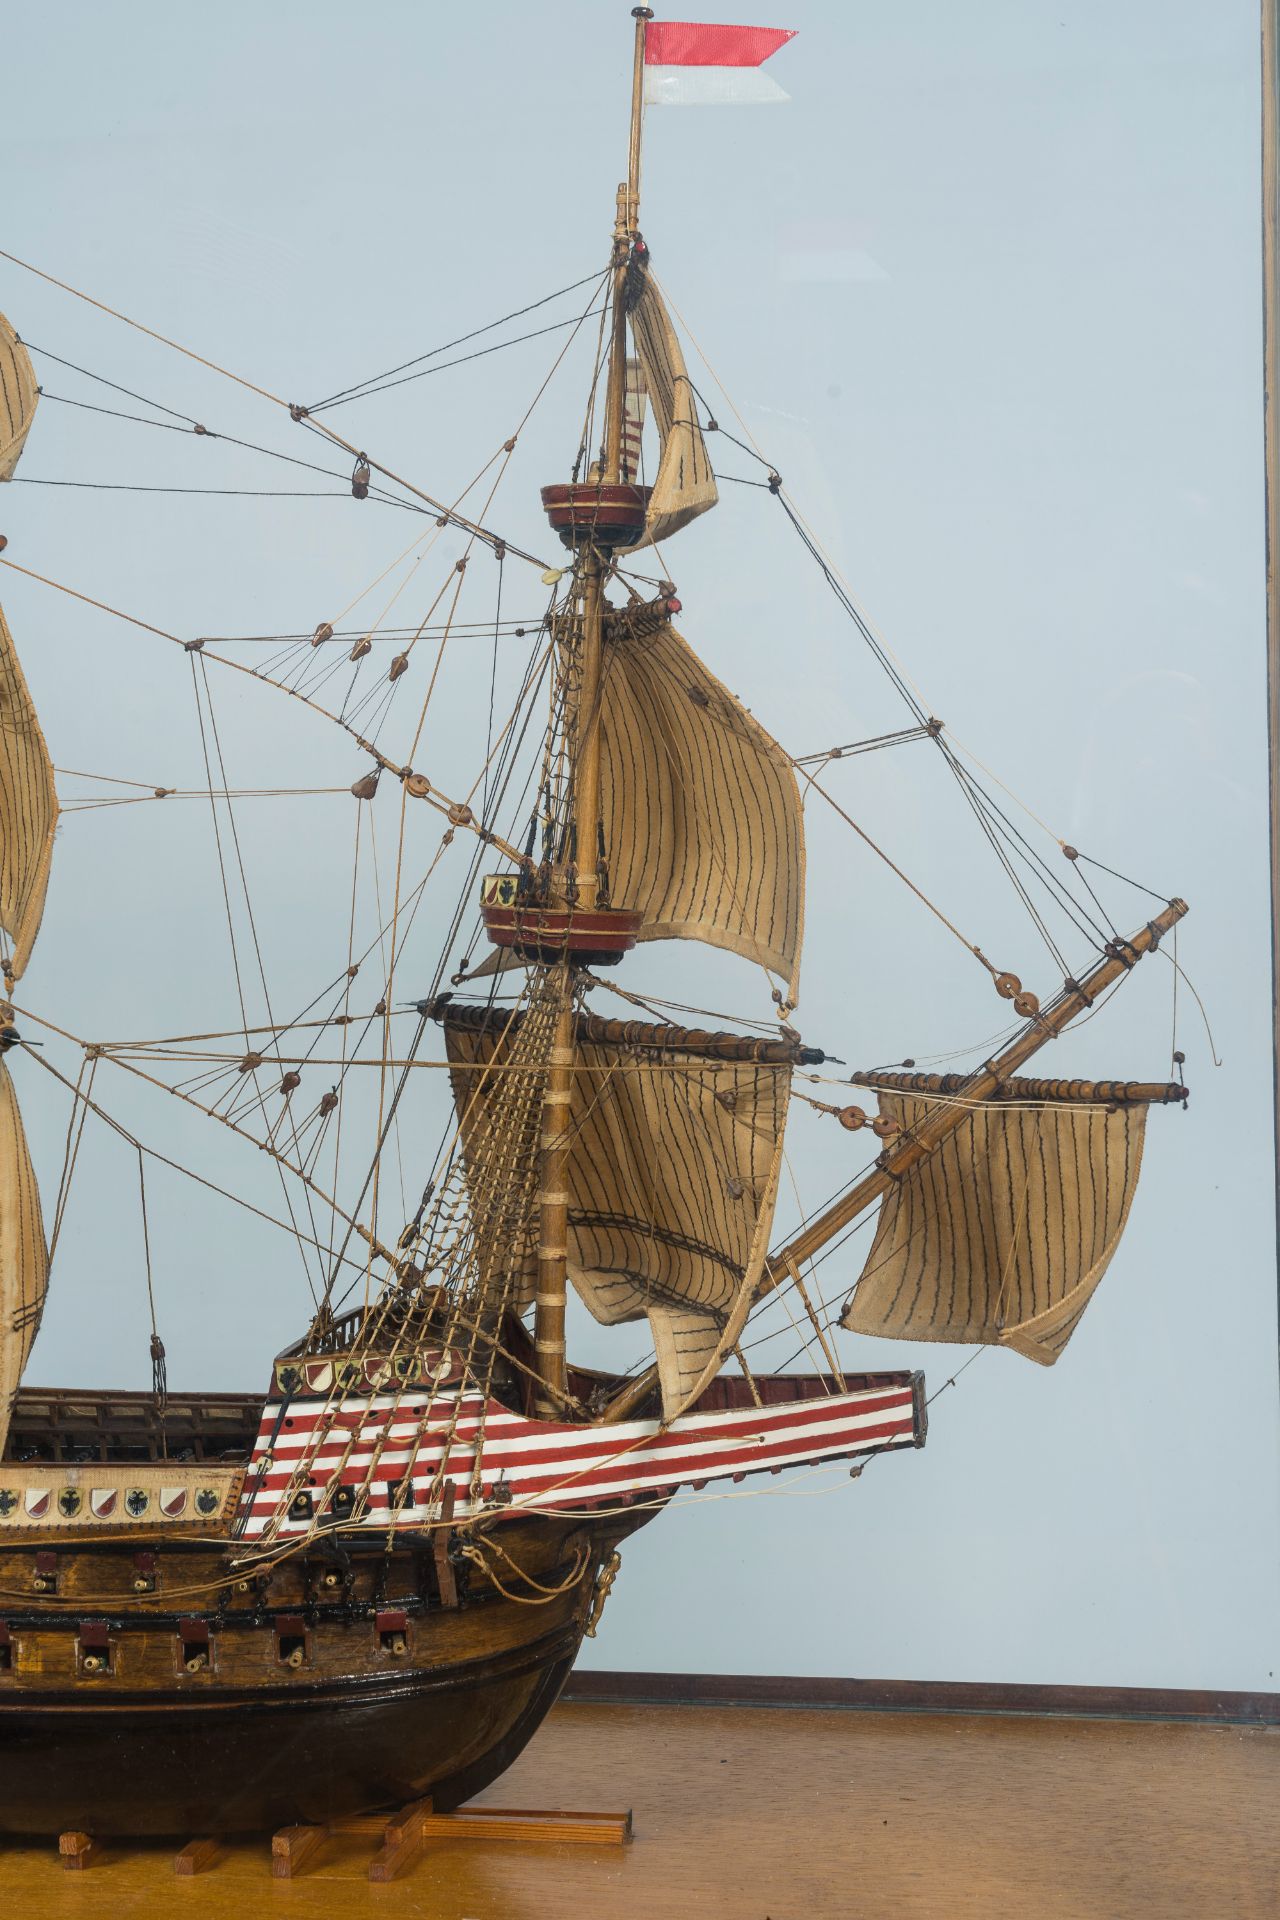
750,1813
1219,1706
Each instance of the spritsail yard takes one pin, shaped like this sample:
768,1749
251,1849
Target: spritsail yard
383,1568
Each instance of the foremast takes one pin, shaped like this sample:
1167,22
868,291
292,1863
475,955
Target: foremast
576,880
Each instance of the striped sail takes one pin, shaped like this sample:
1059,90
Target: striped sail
703,828
672,1181
18,397
635,406
684,485
1001,1235
24,1258
28,810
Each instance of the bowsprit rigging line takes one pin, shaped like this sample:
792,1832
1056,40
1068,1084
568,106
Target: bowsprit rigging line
978,798
992,821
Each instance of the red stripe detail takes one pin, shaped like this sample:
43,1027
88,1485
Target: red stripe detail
686,43
599,1485
575,1441
531,1471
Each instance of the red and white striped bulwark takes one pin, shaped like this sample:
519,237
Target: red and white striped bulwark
492,1457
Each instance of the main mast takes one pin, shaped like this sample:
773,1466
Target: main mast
593,519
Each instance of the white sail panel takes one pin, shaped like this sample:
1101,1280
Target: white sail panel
1001,1235
24,1257
703,827
672,1183
18,397
684,485
28,809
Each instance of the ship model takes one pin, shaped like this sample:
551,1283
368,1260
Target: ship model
226,1611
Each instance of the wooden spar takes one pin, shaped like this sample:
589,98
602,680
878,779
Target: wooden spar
626,224
553,1208
1093,1093
642,16
586,771
1121,956
578,881
645,1035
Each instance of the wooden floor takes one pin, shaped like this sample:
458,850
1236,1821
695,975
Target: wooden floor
782,1814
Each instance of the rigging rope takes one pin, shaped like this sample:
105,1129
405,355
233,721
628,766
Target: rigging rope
159,1372
196,428
481,352
297,413
346,393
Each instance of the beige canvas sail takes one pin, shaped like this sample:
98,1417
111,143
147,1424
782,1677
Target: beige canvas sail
672,1183
28,809
28,816
684,485
1001,1235
18,397
703,827
24,1258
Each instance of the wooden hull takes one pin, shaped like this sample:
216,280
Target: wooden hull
196,1638
249,1742
248,1760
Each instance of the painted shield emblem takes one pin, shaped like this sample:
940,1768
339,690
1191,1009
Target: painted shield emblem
8,1501
70,1501
288,1379
318,1375
38,1501
206,1501
103,1502
137,1500
173,1501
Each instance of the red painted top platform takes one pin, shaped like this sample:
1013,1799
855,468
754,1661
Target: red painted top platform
600,935
609,515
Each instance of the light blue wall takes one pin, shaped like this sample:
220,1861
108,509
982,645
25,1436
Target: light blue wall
987,293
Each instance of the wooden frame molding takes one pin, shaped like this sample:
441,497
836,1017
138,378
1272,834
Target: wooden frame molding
1271,442
1207,1706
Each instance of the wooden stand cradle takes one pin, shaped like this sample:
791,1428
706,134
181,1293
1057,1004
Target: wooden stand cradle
402,1836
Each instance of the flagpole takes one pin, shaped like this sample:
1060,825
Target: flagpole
642,16
625,226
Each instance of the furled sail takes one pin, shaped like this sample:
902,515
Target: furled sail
28,810
1000,1236
24,1258
684,485
18,397
703,828
677,1142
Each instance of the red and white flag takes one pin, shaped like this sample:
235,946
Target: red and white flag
692,65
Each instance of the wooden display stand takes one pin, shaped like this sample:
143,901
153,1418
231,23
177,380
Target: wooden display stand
402,1836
